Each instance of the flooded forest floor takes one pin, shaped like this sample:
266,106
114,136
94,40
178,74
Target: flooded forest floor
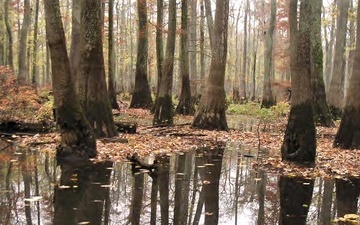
251,137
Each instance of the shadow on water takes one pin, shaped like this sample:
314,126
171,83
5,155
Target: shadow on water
212,185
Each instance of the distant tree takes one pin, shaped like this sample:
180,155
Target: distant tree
111,59
23,66
9,34
299,143
348,134
35,46
192,46
268,99
77,137
163,110
243,87
142,96
336,89
211,112
185,105
91,83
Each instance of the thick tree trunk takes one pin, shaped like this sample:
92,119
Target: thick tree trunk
185,106
163,110
299,143
91,82
142,96
10,60
336,89
75,38
211,112
76,135
268,99
322,113
23,67
348,135
111,59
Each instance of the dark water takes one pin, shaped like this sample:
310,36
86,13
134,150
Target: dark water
214,185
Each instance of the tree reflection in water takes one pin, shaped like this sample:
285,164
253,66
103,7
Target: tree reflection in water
295,199
81,193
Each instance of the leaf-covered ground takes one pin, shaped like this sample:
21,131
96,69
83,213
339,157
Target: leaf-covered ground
148,140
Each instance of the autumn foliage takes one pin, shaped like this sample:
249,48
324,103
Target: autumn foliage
19,102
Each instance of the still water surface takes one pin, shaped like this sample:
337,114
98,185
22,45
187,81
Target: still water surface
214,185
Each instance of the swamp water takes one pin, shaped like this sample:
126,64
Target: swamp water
211,185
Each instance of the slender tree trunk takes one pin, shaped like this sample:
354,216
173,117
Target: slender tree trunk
2,34
163,114
111,59
210,23
76,134
91,82
75,38
329,49
211,112
348,134
242,94
142,96
299,143
159,47
185,106
268,99
192,47
336,89
202,46
34,75
10,60
23,67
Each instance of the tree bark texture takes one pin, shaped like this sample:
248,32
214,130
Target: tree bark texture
336,89
185,106
91,82
192,47
76,135
268,99
159,43
163,110
111,59
322,112
211,112
142,96
23,66
34,74
10,60
242,93
348,134
75,38
299,143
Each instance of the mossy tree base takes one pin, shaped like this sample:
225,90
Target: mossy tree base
163,112
348,135
299,141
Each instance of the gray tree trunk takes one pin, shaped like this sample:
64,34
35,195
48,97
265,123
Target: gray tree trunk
163,110
91,84
192,47
23,67
268,99
75,38
299,143
211,112
336,89
34,74
10,60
